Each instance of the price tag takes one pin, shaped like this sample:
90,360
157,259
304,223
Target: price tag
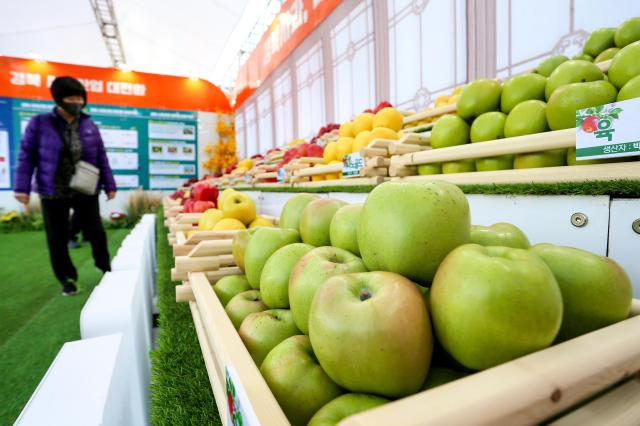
239,408
351,164
608,131
246,178
282,175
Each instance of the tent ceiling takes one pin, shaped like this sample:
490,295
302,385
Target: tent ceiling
183,38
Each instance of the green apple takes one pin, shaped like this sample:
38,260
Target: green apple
605,55
583,57
499,234
430,169
462,166
566,100
292,210
596,291
517,305
501,162
625,65
274,281
546,67
263,243
344,227
478,97
227,287
344,406
442,375
262,331
534,160
239,246
296,379
599,41
630,90
243,304
526,118
371,333
311,271
627,32
449,130
392,214
572,72
488,126
521,88
315,221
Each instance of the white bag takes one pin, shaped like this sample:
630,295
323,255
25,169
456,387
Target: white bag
85,179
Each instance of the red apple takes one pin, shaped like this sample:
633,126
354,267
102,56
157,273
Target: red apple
590,124
315,150
202,206
205,192
187,206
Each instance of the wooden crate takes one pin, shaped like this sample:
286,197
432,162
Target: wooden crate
527,390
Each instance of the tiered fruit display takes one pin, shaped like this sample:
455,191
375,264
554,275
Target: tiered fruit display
539,101
332,339
235,211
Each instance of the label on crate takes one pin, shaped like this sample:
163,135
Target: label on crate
238,406
351,164
609,130
282,175
246,178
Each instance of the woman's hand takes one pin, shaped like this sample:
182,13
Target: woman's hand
111,195
21,197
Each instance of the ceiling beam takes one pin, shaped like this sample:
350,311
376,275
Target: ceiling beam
106,19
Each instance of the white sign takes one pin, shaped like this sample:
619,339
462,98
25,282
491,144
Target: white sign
351,164
608,131
175,151
282,174
172,130
126,181
239,409
5,173
119,138
165,182
123,160
170,168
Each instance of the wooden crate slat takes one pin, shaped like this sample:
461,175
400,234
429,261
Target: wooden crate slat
527,390
227,345
268,175
312,171
184,293
517,145
447,109
198,236
210,248
591,172
358,181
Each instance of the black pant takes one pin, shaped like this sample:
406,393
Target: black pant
56,223
74,227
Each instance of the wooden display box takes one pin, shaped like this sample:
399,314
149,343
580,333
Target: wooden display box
527,390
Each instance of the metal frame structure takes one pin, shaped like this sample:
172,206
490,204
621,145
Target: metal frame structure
106,18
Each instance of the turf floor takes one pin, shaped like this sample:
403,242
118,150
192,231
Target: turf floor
35,319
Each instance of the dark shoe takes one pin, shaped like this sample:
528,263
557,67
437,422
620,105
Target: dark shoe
74,244
69,288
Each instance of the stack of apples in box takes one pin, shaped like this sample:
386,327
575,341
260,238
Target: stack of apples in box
547,99
346,307
236,211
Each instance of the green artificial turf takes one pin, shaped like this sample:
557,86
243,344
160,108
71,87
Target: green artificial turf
180,389
36,319
617,188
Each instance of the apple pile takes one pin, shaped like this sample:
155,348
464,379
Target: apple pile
346,307
236,211
540,101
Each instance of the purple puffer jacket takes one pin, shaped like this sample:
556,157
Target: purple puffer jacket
40,150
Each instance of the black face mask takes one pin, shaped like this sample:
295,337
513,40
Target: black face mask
72,109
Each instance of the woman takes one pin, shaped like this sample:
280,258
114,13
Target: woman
52,145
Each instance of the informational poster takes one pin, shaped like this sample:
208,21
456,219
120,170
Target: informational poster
148,148
5,168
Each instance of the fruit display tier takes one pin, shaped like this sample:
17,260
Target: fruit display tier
537,386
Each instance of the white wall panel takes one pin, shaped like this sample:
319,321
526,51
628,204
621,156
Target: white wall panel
624,242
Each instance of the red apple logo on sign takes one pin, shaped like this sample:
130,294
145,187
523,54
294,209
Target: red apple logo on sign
590,124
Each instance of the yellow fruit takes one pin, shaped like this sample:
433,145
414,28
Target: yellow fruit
229,224
209,219
260,221
224,194
189,233
362,140
441,101
384,133
346,130
344,147
457,90
453,99
330,151
388,117
363,122
333,176
239,206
